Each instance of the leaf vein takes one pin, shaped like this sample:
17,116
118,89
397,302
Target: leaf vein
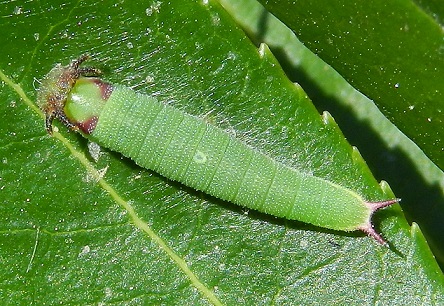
137,221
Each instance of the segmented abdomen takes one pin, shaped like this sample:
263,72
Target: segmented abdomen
185,148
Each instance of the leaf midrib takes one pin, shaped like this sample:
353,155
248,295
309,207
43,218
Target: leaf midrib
114,194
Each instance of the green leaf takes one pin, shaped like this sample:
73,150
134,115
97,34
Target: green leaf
392,51
390,154
72,235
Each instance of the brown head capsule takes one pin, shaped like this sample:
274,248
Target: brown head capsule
56,86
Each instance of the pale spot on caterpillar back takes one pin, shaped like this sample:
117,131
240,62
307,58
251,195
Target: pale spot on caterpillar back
200,157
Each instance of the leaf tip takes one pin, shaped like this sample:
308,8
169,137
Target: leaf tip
263,50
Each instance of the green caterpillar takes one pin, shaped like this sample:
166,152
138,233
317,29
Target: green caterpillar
187,149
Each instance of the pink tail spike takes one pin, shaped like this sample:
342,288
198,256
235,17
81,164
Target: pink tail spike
369,230
377,205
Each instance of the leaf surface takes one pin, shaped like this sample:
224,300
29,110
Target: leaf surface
390,51
69,234
390,154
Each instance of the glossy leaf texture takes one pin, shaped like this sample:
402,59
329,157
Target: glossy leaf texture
390,154
77,231
390,51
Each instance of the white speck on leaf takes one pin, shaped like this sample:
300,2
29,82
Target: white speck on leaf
85,250
149,79
94,150
18,10
108,292
154,8
215,19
